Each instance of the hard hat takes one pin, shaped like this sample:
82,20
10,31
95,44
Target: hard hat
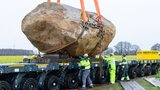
85,55
111,54
123,55
34,56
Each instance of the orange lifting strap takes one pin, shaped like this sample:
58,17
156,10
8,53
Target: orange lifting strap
99,20
58,1
98,10
84,16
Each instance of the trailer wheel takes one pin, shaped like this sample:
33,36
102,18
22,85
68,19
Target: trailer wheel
5,85
29,84
147,70
141,71
132,73
71,81
102,78
154,69
118,73
52,83
93,75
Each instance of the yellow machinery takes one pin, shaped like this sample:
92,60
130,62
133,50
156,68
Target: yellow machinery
147,55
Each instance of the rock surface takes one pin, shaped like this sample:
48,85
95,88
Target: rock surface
53,27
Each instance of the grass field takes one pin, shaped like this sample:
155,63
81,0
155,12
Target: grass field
14,59
11,59
129,57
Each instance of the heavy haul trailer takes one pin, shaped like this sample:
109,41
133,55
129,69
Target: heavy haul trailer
50,73
64,73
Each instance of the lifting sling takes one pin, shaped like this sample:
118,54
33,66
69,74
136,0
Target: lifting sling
58,1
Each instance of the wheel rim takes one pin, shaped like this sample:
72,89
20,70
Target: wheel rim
72,82
134,74
29,84
52,83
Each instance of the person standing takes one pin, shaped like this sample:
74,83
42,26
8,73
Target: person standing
85,66
112,68
124,68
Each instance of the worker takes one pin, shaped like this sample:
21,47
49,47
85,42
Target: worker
112,68
85,67
124,68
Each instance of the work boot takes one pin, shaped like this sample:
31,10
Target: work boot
122,78
112,82
128,78
91,86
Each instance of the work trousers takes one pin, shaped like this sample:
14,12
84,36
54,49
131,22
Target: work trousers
86,76
112,75
125,72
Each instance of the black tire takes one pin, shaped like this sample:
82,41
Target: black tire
147,70
5,85
132,72
52,83
118,72
103,78
71,81
93,75
29,84
141,71
154,69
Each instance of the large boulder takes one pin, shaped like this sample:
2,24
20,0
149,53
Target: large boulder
53,27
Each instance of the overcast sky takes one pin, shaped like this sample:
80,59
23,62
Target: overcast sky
136,21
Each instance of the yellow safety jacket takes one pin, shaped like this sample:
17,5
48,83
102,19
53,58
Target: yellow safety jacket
111,63
85,63
124,63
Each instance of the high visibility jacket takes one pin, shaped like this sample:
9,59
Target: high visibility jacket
124,63
106,58
111,63
85,63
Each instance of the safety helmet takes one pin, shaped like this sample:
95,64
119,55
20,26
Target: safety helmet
85,55
111,54
34,56
123,55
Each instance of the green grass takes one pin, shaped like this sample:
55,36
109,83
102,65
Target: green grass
10,59
158,75
146,85
129,57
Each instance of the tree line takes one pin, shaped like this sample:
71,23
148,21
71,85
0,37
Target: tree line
127,48
7,52
120,48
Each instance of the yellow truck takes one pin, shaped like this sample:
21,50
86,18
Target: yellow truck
147,55
147,62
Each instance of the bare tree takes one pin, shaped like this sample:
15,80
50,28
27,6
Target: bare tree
134,49
125,47
156,47
108,51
